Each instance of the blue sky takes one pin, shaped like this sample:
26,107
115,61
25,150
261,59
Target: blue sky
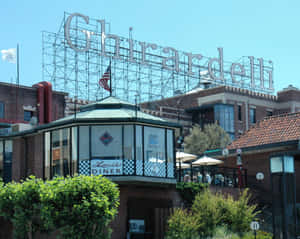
267,29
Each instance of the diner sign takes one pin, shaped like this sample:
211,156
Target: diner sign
106,167
253,73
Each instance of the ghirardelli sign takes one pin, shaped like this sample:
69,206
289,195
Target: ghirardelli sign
252,74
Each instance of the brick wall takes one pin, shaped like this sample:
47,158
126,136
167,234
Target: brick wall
16,98
289,95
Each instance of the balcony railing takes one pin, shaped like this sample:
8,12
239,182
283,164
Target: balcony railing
218,176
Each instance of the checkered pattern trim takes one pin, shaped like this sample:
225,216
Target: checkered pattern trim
128,167
170,170
84,167
139,167
155,169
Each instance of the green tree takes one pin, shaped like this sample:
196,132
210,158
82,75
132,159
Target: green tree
211,137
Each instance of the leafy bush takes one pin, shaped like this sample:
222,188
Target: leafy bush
236,215
211,211
82,207
224,233
181,225
189,190
79,207
259,235
206,212
20,203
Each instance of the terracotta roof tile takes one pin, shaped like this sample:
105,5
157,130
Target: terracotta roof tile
274,129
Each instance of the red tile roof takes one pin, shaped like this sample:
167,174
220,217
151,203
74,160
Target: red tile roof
274,129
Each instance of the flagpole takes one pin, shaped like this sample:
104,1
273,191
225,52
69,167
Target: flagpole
110,78
18,82
18,76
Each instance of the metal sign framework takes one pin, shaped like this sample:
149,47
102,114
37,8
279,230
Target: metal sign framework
78,72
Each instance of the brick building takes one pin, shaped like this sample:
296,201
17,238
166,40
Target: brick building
271,136
18,104
236,110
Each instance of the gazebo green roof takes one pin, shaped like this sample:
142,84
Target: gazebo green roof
110,110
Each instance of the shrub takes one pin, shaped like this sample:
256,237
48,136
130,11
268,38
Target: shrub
79,207
224,233
181,225
189,190
259,235
206,212
237,214
210,211
20,203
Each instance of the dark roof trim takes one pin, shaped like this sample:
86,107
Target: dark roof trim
4,125
266,146
257,147
206,106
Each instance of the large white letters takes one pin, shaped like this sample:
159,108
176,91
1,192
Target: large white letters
67,33
220,62
151,54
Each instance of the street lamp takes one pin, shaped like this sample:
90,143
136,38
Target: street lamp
284,196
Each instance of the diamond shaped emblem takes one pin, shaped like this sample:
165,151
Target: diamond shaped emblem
106,138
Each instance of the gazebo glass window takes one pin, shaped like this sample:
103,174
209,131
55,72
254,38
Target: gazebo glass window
154,152
111,150
61,152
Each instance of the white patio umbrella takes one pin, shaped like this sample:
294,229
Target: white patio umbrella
155,160
205,161
184,157
183,165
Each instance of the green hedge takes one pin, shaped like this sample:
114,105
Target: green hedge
78,207
189,190
212,211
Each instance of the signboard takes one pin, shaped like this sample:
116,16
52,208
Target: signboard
254,226
260,176
139,68
225,152
107,167
137,225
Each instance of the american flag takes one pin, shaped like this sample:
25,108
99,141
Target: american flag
103,82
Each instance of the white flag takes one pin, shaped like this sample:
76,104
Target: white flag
9,55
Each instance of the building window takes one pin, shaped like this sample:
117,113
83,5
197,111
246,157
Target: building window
1,110
252,116
239,112
269,113
27,115
224,114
